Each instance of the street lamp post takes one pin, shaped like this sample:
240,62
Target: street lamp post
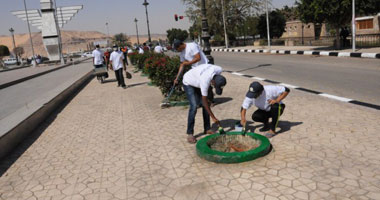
108,34
353,27
14,43
137,32
30,36
205,34
60,51
266,8
147,18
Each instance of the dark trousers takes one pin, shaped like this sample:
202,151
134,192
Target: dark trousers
263,116
119,77
195,98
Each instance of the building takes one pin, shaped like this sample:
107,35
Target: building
368,25
297,32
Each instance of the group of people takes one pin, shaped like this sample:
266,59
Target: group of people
146,48
199,82
115,60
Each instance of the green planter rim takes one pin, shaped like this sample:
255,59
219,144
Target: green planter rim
204,151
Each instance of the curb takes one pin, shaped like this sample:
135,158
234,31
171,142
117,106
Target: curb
318,53
17,134
5,85
342,99
205,152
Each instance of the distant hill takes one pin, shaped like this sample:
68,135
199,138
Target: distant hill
73,41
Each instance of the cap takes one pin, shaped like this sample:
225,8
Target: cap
97,46
177,43
220,82
255,90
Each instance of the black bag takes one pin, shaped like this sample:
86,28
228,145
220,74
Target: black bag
128,75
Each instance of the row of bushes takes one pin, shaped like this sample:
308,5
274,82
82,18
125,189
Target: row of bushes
161,70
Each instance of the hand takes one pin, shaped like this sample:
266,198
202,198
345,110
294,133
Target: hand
216,121
125,69
271,101
176,82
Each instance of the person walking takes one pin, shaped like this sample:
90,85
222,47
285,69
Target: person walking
118,64
196,83
98,61
268,100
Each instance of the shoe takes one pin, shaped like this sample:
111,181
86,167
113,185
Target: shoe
265,128
269,135
124,87
209,132
191,139
118,85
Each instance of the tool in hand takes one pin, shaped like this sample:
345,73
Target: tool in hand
165,103
221,131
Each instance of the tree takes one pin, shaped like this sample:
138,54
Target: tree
176,34
4,51
121,40
336,13
277,24
236,13
290,13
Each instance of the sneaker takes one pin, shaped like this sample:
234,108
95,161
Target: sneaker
209,132
265,128
118,85
124,87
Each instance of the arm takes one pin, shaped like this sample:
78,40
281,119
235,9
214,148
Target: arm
208,109
243,113
124,66
179,73
196,59
280,98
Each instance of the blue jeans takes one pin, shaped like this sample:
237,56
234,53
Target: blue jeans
195,98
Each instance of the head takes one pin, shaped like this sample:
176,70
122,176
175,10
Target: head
255,90
97,46
144,44
218,82
115,48
178,45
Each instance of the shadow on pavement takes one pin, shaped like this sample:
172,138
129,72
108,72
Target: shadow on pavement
258,66
286,126
7,161
137,84
222,100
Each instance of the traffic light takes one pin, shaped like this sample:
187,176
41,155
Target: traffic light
176,17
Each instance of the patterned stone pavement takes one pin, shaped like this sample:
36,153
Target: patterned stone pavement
110,143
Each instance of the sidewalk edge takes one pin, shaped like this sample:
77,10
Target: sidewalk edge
17,134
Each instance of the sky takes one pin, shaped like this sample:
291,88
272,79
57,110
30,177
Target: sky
119,14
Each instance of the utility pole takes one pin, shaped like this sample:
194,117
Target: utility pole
224,24
266,6
353,27
30,36
206,34
147,19
108,34
14,43
137,32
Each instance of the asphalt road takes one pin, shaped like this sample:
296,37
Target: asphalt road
353,78
21,95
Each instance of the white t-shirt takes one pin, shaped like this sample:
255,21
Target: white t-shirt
141,51
98,57
190,51
117,58
271,92
201,76
158,49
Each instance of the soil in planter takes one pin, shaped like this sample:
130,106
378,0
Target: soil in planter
233,143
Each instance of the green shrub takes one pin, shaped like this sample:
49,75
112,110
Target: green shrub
133,57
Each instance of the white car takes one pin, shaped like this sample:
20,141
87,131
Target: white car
87,54
10,61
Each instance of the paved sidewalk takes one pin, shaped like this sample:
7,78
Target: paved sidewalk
110,143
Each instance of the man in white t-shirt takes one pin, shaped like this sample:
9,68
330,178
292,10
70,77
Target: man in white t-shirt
98,59
158,49
117,63
268,100
196,83
191,54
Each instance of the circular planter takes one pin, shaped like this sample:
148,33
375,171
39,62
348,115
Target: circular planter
204,151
